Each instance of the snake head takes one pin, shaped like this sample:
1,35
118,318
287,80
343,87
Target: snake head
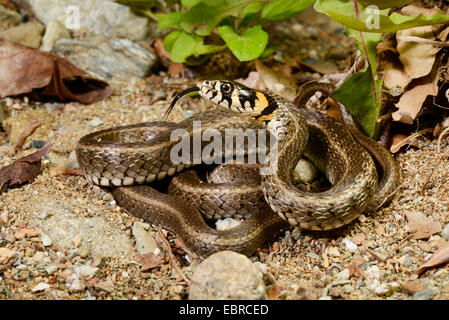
235,97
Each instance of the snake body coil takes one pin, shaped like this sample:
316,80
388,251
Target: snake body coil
139,154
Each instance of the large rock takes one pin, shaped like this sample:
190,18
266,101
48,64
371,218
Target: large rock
107,58
55,30
9,18
227,275
96,17
28,34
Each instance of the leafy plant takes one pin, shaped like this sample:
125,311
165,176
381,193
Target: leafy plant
237,22
366,21
208,26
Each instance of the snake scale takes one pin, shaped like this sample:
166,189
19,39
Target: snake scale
127,157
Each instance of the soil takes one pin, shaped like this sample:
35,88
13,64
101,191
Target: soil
372,258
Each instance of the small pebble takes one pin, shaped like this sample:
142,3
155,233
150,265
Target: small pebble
227,275
46,240
226,224
445,232
83,251
333,251
427,294
41,286
312,255
4,217
351,246
50,269
95,122
86,270
344,274
37,144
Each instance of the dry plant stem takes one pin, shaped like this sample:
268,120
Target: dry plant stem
440,137
433,171
416,134
441,44
441,157
170,255
25,134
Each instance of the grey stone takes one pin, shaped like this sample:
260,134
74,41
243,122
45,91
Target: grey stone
95,122
9,18
46,240
227,275
28,34
145,242
445,232
96,17
427,294
306,171
58,220
86,270
107,58
55,30
41,286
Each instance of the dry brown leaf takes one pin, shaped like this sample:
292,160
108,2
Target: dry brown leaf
438,257
274,292
354,267
164,56
276,82
175,68
253,81
399,140
150,260
421,226
24,169
417,58
411,101
39,73
323,67
416,10
395,78
32,127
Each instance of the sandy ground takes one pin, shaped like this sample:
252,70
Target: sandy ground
373,258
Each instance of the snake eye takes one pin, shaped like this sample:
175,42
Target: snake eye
226,88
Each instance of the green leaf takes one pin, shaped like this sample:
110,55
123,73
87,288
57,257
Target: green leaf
357,96
371,40
253,7
284,9
138,4
202,19
189,3
170,39
385,4
269,50
182,45
213,3
170,20
247,46
390,24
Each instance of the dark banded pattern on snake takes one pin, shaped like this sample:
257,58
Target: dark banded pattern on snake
327,143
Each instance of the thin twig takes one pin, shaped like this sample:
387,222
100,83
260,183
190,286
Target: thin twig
433,171
395,148
440,158
440,44
32,127
170,255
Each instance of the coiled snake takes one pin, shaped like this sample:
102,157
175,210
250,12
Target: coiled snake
133,155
